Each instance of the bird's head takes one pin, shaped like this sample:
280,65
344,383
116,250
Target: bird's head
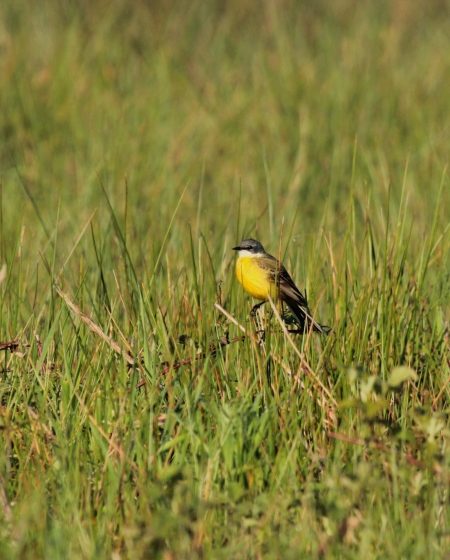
249,248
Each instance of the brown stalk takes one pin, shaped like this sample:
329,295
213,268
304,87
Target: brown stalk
9,345
95,328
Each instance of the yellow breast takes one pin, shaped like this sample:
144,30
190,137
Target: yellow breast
254,279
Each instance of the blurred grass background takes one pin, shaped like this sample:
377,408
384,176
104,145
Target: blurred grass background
139,142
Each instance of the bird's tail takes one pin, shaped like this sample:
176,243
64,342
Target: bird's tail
305,319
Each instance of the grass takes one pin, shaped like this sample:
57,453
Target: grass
139,143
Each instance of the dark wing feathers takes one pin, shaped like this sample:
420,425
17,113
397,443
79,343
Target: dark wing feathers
281,276
291,295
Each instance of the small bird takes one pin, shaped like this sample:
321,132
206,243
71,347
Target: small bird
264,276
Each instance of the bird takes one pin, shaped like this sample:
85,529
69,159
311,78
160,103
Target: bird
263,277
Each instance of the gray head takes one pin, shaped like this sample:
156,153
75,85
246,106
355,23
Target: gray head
249,246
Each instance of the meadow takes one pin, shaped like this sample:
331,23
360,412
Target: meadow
141,414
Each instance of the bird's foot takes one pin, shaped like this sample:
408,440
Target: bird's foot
261,336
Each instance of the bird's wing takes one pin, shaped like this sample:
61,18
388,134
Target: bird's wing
283,280
290,294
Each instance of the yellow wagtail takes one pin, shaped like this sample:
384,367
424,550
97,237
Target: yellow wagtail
263,277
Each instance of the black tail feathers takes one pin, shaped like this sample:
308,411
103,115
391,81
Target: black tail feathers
304,318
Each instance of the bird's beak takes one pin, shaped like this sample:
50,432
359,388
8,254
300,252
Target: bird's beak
236,248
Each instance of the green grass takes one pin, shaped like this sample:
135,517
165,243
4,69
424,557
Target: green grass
139,143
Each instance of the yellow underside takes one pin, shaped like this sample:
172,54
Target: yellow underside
254,279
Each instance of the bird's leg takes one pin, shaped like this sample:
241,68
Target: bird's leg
255,308
258,321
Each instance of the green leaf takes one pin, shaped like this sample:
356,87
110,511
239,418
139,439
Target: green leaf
401,374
